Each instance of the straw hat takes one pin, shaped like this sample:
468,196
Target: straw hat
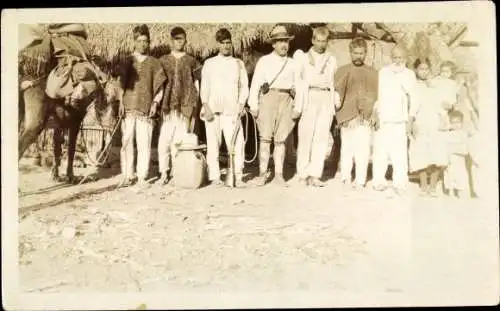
279,32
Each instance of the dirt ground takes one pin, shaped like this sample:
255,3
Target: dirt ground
95,238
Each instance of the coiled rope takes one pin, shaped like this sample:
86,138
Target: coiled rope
247,119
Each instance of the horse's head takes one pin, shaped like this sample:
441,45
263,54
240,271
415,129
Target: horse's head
107,105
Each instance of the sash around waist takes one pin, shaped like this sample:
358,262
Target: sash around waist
279,90
317,88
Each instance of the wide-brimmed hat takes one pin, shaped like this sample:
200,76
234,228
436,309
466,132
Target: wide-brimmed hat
280,33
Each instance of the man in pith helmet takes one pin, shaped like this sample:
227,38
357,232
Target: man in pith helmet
274,86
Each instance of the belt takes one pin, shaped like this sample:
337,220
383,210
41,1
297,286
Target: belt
280,90
317,88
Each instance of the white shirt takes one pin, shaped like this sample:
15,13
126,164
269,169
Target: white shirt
178,54
224,84
313,74
395,84
266,70
316,70
448,89
140,57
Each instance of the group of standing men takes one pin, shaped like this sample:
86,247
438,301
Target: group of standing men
309,88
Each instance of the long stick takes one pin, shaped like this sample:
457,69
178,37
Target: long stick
231,176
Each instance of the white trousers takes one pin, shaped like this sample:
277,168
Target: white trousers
174,127
391,144
355,148
140,129
314,134
220,126
456,175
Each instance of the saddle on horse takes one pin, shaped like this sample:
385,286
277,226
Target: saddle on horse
74,77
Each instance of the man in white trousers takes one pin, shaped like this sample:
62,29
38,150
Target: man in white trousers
357,85
223,91
143,82
180,100
393,127
317,107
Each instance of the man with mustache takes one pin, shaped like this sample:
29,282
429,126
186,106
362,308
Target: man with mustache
357,85
271,100
395,84
317,107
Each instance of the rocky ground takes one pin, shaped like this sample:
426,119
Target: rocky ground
96,238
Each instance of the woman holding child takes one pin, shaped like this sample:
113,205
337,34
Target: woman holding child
428,114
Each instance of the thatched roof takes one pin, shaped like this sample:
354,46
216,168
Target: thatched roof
201,37
111,41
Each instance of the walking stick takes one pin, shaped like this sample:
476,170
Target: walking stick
231,174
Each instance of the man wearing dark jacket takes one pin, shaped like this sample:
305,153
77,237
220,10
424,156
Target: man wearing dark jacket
357,85
143,82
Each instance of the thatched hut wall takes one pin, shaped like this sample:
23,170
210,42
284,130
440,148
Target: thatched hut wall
425,40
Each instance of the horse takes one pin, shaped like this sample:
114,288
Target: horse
36,108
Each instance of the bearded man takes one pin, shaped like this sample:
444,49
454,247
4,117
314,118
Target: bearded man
395,84
357,85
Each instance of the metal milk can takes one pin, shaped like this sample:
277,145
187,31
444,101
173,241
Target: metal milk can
190,165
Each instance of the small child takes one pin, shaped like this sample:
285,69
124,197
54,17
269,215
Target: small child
446,82
456,176
448,90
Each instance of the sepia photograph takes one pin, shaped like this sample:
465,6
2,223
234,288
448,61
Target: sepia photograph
328,155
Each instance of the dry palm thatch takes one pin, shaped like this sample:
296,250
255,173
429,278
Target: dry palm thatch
110,43
201,37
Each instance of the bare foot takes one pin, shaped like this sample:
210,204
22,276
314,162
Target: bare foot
260,180
304,181
125,182
316,182
217,183
239,183
164,179
280,181
379,187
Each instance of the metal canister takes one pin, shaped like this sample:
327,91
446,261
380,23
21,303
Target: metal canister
190,165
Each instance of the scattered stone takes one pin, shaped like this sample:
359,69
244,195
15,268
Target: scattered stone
119,215
68,233
54,230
